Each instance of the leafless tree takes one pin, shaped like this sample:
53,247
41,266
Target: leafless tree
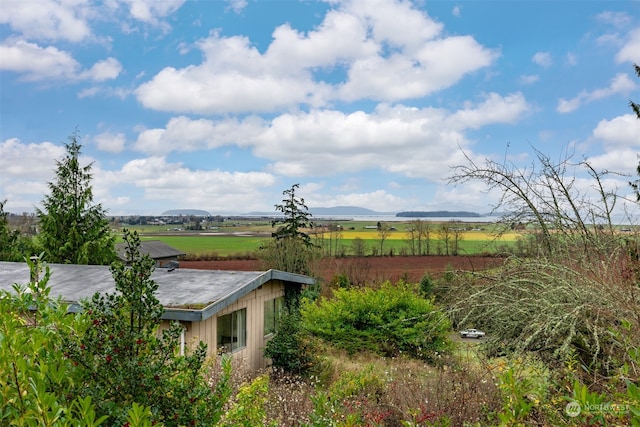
444,235
545,194
418,236
384,230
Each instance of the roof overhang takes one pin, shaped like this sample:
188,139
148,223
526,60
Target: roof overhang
179,289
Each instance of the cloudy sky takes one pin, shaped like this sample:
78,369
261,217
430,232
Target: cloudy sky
222,105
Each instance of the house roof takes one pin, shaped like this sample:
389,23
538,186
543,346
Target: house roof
154,248
190,295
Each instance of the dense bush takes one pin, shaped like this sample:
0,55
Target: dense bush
34,374
290,349
108,365
389,321
123,359
556,310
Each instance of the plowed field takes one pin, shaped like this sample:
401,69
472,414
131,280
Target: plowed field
366,269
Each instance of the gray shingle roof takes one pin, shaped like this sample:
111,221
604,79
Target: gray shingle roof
186,294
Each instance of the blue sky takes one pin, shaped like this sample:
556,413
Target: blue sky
222,105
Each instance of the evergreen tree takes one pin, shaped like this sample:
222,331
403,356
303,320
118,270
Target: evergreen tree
296,218
8,238
123,357
636,109
291,249
72,228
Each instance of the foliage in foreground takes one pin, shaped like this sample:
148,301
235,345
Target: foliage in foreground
34,373
556,311
107,365
389,321
123,359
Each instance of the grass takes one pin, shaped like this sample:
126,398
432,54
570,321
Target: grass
223,246
219,241
392,390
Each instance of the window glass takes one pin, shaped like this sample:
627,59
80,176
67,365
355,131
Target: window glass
272,310
232,331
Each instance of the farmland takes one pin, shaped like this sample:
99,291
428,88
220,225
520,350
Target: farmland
242,238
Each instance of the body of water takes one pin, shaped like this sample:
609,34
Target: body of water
393,218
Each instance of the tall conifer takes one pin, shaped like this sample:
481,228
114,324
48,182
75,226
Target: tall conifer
72,228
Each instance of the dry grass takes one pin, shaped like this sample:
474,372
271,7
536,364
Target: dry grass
396,389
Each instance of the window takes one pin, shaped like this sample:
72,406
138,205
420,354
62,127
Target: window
272,310
232,331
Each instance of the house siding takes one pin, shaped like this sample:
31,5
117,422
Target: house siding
250,357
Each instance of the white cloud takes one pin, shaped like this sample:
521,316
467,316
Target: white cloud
237,5
617,19
107,69
620,84
24,181
397,23
406,140
48,19
456,11
152,11
437,65
185,134
622,131
117,92
529,79
34,62
609,39
494,109
623,160
40,166
630,51
571,59
378,200
109,142
160,180
619,138
89,92
470,196
388,51
543,59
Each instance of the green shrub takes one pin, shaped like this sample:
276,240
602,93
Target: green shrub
249,408
426,285
33,369
352,400
122,358
36,375
389,321
289,349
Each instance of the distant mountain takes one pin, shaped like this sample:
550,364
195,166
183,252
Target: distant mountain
347,210
185,212
438,214
333,211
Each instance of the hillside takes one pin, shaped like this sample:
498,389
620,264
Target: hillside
438,214
333,211
185,212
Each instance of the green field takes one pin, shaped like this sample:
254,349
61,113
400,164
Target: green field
222,246
230,240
